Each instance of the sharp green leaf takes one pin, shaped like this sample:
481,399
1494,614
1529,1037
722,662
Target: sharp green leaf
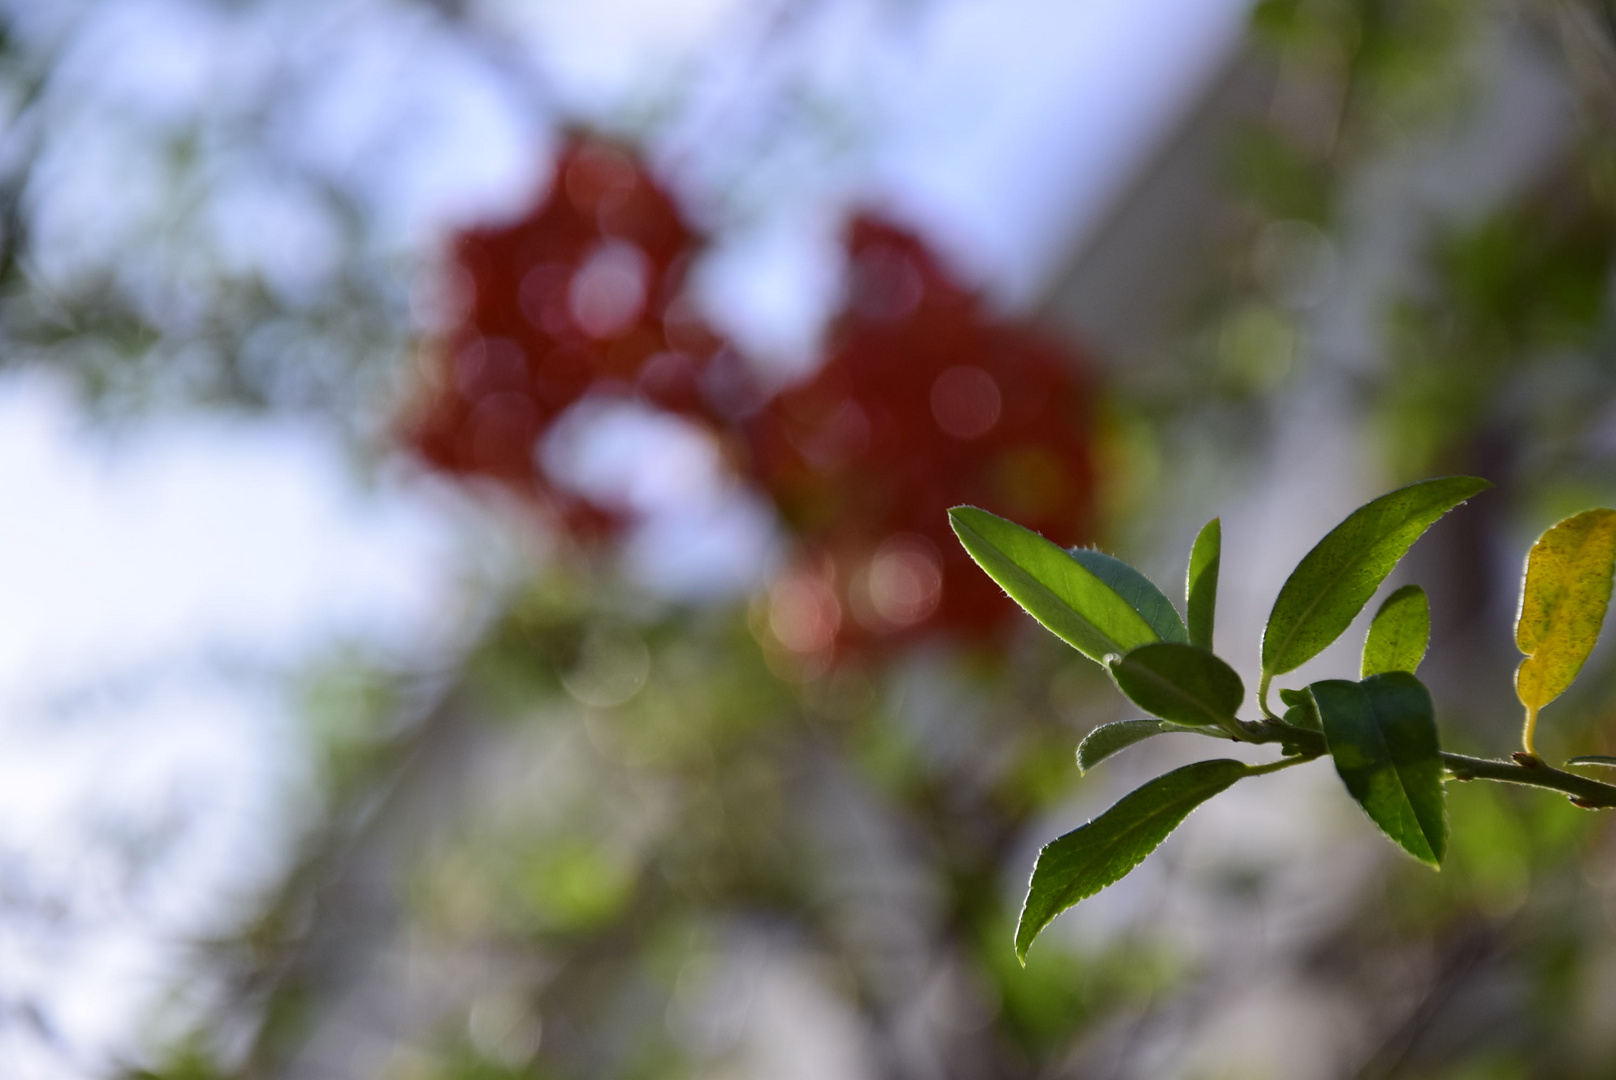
1180,683
1563,601
1134,587
1092,856
1107,739
1399,634
1054,588
1382,735
1301,712
1591,759
1335,580
1201,583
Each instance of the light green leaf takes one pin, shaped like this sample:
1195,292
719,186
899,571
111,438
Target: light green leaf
1201,583
1399,634
1181,683
1300,711
1563,601
1107,739
1134,587
1335,580
1054,588
1092,856
1382,735
1585,759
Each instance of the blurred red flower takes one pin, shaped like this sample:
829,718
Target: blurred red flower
928,400
583,294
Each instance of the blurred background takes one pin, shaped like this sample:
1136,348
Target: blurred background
477,597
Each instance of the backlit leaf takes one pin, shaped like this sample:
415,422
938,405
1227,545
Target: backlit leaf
1335,580
1382,736
1563,601
1180,683
1399,634
1092,856
1134,587
1300,711
1201,583
1107,739
1053,587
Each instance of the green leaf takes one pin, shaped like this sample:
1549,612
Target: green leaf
1107,739
1585,759
1134,587
1092,856
1382,735
1335,580
1563,601
1201,583
1181,683
1399,634
1302,712
1054,588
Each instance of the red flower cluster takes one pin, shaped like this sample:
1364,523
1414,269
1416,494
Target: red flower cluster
582,295
927,401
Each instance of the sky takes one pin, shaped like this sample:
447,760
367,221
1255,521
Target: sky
165,584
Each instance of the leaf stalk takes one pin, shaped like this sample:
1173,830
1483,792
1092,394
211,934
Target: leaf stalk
1262,695
1529,729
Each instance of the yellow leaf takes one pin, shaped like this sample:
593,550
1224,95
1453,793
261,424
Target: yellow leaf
1563,601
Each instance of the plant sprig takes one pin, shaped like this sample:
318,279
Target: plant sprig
1380,731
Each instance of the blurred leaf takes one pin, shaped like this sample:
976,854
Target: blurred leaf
1280,177
1134,587
1275,20
576,884
1399,634
1180,683
1301,712
1382,735
1092,856
1054,588
1335,580
1563,601
1107,739
1201,583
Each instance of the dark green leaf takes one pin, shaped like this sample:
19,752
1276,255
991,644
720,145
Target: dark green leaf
1092,856
1335,580
1302,712
1399,634
1107,739
1585,759
1563,602
1180,683
1382,735
1053,587
1201,583
1134,587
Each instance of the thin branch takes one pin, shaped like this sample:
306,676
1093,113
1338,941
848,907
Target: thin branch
1526,769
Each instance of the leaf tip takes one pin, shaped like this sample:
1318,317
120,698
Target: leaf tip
1476,484
1024,939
